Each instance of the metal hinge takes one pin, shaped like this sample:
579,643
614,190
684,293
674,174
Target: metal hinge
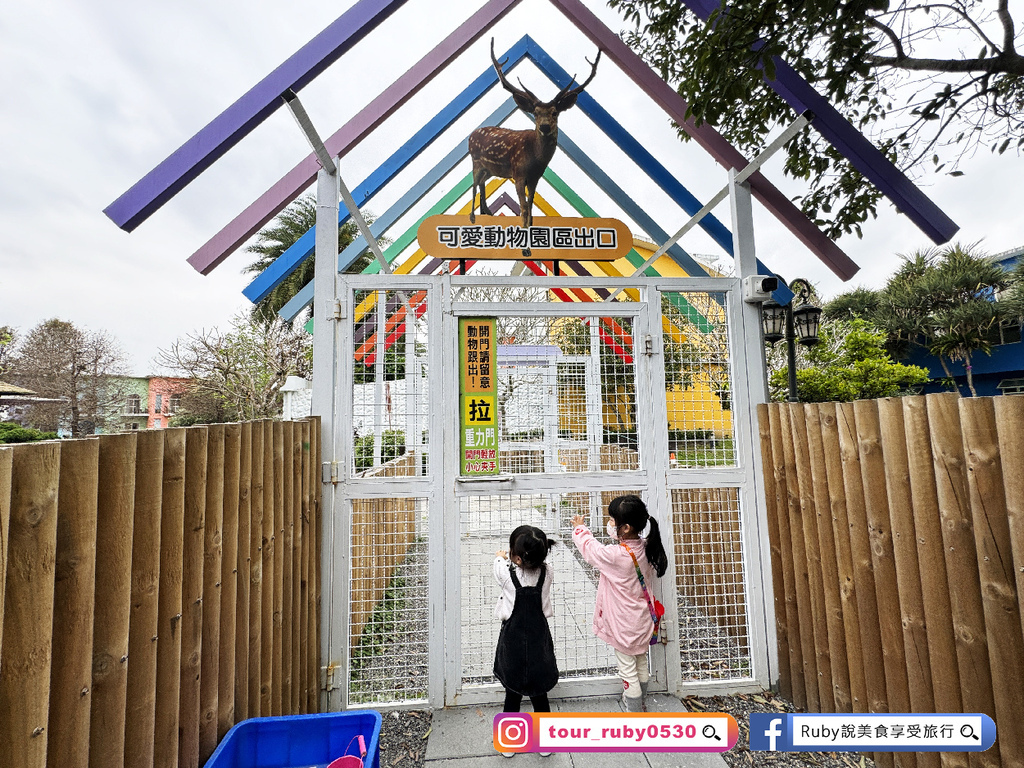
329,472
328,681
648,345
339,309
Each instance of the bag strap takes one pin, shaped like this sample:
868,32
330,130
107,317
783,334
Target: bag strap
643,586
515,581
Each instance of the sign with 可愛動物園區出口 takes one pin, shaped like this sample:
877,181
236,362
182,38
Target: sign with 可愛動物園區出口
478,400
549,238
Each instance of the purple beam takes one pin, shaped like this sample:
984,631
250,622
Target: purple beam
708,138
234,123
271,202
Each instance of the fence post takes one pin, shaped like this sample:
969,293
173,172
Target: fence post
168,652
961,559
144,622
256,571
995,563
809,520
876,507
115,522
829,568
863,567
932,565
844,555
796,665
277,652
1010,418
316,514
800,568
6,461
243,578
267,679
296,527
908,574
213,554
229,581
286,542
28,609
306,637
73,604
778,587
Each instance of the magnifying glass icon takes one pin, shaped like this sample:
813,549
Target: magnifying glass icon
967,731
709,733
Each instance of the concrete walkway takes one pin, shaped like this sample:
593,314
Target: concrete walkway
462,737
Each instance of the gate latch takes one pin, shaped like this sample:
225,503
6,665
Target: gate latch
329,670
329,472
648,345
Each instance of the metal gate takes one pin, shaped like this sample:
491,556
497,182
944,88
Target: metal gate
604,388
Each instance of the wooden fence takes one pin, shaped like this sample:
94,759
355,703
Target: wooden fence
896,529
156,588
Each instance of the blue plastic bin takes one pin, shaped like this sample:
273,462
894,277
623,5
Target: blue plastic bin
299,741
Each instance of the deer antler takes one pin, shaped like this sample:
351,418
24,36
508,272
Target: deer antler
524,93
579,89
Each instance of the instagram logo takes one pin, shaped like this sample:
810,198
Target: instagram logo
512,732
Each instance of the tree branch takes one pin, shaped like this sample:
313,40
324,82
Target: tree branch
1012,64
893,37
1003,12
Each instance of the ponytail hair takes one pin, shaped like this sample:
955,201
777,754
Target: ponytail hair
630,510
530,544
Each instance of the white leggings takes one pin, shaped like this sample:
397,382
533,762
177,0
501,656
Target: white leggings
633,671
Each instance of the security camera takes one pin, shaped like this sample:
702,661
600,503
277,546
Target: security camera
759,288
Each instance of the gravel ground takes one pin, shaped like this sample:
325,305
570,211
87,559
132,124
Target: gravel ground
403,738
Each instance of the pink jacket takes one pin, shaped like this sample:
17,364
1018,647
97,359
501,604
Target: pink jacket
621,616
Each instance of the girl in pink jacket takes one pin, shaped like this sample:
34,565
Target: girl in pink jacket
622,615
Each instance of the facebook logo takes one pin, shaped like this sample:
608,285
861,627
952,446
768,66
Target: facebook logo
768,732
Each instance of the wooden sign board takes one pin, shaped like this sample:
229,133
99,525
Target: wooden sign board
505,237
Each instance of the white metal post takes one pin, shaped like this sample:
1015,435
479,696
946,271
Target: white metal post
325,364
749,372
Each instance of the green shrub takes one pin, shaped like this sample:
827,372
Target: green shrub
15,433
393,444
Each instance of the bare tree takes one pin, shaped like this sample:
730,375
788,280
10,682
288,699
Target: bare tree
245,366
78,369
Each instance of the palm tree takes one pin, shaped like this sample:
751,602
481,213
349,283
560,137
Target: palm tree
274,239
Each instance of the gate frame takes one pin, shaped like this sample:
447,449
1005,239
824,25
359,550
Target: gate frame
332,301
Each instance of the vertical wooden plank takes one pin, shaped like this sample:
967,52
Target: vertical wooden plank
844,555
28,605
277,693
317,514
229,580
256,571
114,531
796,665
961,561
296,524
1010,421
140,715
285,578
837,660
305,587
243,578
213,555
932,566
267,681
812,548
6,460
168,652
74,592
778,589
995,563
196,446
863,568
800,568
908,573
883,562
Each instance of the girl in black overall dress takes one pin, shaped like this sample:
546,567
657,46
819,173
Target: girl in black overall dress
524,660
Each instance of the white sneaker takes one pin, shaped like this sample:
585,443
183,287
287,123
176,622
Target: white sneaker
544,754
508,754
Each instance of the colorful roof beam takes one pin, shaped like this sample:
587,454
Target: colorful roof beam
290,186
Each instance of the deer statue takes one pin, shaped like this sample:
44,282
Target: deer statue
520,155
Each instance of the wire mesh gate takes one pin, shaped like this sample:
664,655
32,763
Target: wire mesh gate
595,399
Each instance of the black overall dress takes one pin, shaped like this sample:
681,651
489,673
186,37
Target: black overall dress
524,660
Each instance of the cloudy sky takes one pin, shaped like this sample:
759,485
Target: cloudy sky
98,93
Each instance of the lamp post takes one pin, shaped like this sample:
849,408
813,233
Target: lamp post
799,324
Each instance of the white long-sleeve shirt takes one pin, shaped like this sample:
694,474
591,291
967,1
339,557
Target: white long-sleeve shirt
527,578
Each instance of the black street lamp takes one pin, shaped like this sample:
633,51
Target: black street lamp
799,324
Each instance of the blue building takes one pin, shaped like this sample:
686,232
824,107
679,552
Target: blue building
1002,372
